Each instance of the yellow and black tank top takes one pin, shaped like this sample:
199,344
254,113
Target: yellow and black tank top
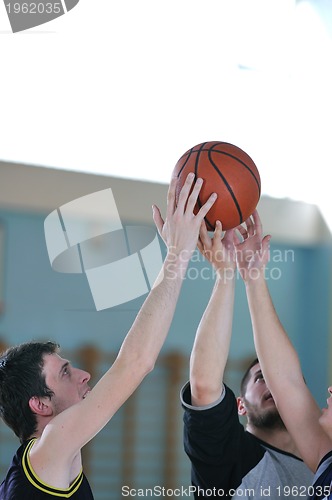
21,483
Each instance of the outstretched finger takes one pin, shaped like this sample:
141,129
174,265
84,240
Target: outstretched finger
240,233
206,207
171,198
204,235
217,231
258,223
200,246
266,248
229,236
250,226
192,199
204,241
236,238
184,193
158,220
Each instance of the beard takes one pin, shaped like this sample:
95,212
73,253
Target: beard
264,419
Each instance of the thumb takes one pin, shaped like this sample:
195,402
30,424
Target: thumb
157,218
266,247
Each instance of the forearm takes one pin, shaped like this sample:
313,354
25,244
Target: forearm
136,358
211,346
283,375
278,359
149,330
277,356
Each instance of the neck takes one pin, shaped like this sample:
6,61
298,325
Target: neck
279,438
41,424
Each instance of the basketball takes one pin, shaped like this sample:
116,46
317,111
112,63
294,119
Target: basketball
228,171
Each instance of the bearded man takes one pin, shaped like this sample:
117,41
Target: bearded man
228,460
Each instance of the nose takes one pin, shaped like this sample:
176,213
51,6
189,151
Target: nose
83,376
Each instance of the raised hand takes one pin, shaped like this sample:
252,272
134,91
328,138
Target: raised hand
181,227
218,249
251,249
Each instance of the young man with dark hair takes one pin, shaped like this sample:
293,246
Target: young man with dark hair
228,460
49,404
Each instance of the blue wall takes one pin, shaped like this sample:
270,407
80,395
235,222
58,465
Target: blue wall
41,303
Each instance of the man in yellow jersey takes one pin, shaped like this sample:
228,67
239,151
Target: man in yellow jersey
49,404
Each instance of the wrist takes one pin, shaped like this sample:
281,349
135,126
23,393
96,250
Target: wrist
226,274
255,278
175,254
175,264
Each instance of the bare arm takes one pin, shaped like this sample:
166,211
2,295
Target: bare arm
138,353
210,351
278,358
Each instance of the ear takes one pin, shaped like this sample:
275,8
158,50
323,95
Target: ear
241,408
40,406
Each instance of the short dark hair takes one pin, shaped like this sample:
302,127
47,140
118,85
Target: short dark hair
21,378
246,376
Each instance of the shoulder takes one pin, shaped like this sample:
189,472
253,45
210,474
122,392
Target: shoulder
21,481
16,479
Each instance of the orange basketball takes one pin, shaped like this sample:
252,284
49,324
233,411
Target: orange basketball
228,171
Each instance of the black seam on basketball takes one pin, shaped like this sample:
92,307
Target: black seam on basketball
227,186
196,170
185,163
208,223
211,148
201,149
242,163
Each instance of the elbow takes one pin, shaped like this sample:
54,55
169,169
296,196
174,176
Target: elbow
135,366
149,366
205,392
145,366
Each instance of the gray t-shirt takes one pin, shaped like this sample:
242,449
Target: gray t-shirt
229,462
276,475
